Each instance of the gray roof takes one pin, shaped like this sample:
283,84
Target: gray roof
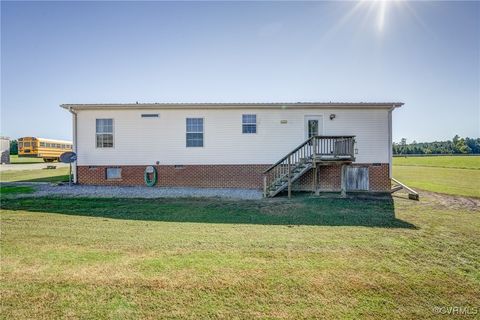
235,105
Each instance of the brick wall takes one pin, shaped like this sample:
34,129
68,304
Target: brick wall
228,176
209,176
329,178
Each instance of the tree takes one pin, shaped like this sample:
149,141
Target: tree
457,145
473,144
13,147
461,146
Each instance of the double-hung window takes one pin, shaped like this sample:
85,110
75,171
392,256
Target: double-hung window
249,123
194,132
104,133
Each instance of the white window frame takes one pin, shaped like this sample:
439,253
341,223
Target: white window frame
112,133
187,132
250,123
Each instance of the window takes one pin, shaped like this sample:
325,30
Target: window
194,132
20,144
113,173
104,133
26,144
42,144
149,115
58,146
249,123
312,128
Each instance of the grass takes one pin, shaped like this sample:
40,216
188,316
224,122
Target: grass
454,175
14,159
4,190
39,175
460,162
185,258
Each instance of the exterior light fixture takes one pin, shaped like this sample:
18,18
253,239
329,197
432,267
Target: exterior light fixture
332,116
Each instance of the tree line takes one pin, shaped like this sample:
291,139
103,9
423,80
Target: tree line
457,145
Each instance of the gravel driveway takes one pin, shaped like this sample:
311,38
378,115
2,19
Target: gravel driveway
30,166
48,189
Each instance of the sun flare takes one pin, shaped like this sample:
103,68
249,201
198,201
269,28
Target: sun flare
380,7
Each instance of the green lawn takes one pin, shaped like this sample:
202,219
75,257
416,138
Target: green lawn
184,258
15,159
455,175
4,190
461,162
39,175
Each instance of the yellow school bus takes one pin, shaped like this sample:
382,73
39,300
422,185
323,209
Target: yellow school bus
48,149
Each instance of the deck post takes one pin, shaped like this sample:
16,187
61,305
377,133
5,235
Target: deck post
289,177
343,188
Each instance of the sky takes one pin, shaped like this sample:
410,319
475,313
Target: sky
425,54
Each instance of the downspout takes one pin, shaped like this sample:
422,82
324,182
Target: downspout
74,119
390,142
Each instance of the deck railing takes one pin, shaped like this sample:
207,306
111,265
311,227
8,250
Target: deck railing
311,151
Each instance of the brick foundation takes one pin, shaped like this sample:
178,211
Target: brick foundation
228,176
329,178
208,176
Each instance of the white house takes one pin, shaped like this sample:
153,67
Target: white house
274,146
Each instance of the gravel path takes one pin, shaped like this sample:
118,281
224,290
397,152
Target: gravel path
47,189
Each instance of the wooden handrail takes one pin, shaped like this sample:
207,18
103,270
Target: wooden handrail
288,155
302,145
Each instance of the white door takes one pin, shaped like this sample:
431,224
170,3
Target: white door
313,126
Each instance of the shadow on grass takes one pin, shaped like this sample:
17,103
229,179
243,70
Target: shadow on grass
299,211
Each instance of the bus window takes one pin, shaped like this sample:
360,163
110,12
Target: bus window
26,144
58,146
48,145
42,144
20,144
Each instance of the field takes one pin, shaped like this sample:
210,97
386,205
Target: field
308,257
454,175
304,258
459,162
39,175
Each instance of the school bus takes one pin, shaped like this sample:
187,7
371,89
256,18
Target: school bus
48,149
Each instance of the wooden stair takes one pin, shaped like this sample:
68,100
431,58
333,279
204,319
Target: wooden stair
282,183
412,194
303,158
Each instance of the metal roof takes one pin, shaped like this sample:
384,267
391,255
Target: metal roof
234,105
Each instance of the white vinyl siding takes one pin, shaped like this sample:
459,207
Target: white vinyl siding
140,142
